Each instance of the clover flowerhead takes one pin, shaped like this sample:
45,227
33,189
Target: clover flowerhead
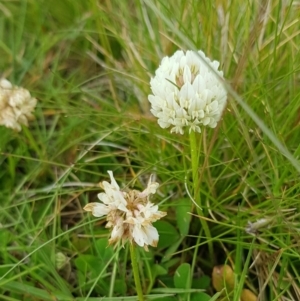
186,93
16,105
130,214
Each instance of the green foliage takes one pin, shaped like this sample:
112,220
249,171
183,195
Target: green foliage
183,215
89,64
168,234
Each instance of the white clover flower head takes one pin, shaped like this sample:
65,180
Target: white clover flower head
130,214
187,93
16,105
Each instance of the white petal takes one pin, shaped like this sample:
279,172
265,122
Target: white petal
97,209
206,121
145,235
163,124
199,83
177,129
152,235
139,236
113,181
5,84
151,189
187,75
103,197
117,232
186,94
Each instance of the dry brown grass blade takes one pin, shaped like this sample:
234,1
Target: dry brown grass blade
253,36
256,32
265,265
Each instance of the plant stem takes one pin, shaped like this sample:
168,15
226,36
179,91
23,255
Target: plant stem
113,276
195,154
136,274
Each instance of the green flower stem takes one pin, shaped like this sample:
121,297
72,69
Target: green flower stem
195,154
113,276
136,274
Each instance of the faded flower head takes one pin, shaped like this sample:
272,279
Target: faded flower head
130,214
187,93
16,105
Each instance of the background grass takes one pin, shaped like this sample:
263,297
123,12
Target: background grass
89,64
